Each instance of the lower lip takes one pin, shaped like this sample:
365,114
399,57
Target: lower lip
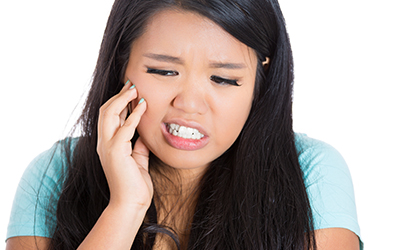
182,143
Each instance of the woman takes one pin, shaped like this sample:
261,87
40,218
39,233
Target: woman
196,150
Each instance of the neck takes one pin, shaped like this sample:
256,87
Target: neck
175,186
175,196
173,182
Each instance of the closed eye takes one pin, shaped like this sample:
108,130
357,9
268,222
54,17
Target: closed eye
162,72
224,81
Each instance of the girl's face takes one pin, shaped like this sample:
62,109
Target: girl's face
198,82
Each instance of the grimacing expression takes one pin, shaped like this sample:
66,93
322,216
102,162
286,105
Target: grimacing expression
198,81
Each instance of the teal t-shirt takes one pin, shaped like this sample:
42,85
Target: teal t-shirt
326,175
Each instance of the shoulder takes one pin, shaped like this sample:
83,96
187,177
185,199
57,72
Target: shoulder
48,166
38,190
329,185
311,150
320,160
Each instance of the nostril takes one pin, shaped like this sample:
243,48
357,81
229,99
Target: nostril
190,103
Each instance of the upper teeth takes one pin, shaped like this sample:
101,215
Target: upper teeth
184,132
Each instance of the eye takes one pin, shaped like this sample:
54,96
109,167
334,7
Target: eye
162,72
223,81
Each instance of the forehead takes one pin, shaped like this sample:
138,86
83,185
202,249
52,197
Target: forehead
184,33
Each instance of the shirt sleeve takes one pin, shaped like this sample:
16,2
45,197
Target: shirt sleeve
33,211
329,185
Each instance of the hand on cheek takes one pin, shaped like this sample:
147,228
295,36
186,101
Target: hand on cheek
126,169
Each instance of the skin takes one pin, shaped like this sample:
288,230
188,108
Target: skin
327,239
336,238
190,97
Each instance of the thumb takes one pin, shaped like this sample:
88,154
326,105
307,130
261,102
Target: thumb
140,154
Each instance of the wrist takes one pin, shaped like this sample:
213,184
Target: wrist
128,207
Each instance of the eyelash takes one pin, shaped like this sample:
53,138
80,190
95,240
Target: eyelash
162,72
223,81
216,79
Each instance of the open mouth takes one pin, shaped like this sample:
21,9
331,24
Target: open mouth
184,132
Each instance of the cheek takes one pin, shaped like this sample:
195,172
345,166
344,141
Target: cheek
149,127
156,95
232,119
157,100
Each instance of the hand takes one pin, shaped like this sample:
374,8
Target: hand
126,170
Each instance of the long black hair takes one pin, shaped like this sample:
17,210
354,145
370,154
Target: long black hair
253,196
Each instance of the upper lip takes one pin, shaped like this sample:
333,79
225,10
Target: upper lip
191,124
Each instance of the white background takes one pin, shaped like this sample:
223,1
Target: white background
346,56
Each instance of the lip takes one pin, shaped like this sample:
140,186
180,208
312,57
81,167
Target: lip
182,143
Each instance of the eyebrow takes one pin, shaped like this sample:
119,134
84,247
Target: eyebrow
177,60
164,58
217,65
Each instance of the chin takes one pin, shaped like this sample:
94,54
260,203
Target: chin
184,160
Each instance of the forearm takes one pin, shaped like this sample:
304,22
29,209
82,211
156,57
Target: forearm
116,228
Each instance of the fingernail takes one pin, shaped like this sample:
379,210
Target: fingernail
127,82
132,87
141,100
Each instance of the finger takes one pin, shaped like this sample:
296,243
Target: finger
110,117
123,115
126,87
126,132
108,103
141,154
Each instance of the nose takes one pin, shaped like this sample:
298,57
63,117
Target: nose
191,98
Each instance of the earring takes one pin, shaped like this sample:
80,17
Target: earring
266,62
